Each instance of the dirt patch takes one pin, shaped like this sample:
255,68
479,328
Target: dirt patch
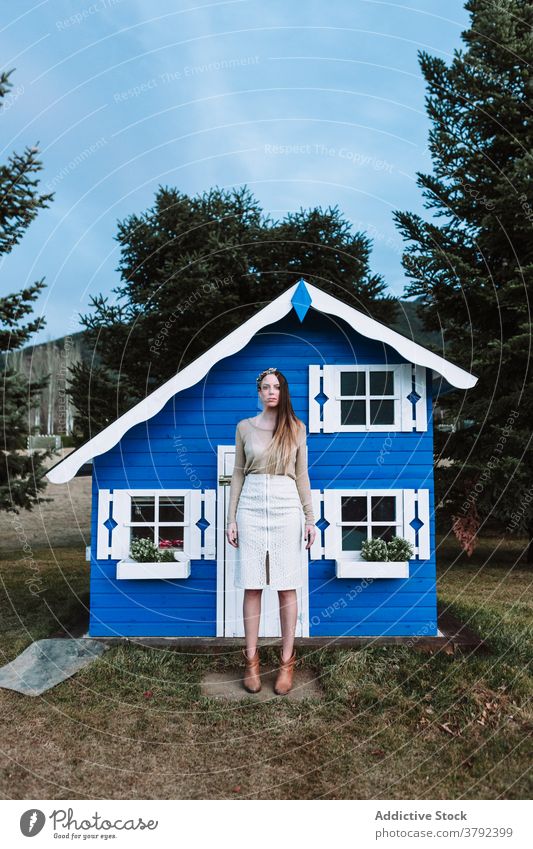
64,521
228,685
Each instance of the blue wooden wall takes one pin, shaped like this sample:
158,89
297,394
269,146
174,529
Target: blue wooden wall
178,448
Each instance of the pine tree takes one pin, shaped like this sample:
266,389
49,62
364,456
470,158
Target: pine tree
474,271
21,475
195,268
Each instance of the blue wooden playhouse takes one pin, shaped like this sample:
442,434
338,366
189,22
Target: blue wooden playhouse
162,471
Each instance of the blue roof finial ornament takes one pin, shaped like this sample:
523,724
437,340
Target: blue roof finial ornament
301,300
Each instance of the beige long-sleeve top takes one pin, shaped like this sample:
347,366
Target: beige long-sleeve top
250,444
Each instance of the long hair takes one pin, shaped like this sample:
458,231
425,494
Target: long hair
287,431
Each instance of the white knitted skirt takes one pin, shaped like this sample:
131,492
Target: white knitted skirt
270,519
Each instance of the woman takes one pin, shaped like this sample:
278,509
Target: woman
265,521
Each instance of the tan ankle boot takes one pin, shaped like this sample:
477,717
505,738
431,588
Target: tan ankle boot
251,680
286,669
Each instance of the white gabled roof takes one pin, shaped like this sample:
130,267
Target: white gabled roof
301,296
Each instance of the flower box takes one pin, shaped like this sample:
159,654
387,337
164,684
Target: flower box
372,568
133,570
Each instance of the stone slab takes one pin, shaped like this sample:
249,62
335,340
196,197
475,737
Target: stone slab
45,663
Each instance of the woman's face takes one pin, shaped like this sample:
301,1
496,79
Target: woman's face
269,392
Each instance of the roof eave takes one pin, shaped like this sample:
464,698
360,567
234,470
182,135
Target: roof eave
301,296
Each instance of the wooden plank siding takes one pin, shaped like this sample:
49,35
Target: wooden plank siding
178,448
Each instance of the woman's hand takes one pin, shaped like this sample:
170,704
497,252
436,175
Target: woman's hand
309,535
232,534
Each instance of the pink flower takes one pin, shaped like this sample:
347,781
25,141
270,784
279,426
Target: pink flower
170,543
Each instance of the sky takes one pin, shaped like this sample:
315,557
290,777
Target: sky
307,103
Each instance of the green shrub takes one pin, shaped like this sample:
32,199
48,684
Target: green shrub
374,549
145,551
166,556
377,549
399,549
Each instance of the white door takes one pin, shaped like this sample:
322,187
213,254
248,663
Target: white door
230,598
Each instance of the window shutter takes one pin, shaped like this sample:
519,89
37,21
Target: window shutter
421,405
210,531
317,549
424,550
315,373
332,534
407,422
413,502
120,538
331,408
194,514
408,516
103,548
407,373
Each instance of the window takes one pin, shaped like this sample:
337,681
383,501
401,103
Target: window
363,514
368,516
159,518
176,519
367,398
347,517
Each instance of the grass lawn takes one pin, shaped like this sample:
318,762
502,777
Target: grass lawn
394,723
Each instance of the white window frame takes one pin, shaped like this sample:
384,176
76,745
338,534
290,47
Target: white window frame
156,524
120,500
409,502
333,506
405,374
335,410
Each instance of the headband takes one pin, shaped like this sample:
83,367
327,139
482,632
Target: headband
263,373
